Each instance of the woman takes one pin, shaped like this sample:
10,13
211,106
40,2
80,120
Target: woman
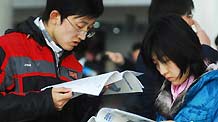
189,92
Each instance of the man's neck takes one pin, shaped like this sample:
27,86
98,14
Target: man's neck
49,28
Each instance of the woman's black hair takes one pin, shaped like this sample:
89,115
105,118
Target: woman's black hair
173,38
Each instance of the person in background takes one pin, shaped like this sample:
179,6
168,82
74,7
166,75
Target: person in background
184,9
91,51
203,37
172,48
151,79
161,8
216,42
121,101
38,53
121,61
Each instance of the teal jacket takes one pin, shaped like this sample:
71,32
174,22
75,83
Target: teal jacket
199,103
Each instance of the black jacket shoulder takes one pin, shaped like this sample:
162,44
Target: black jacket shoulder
209,54
29,27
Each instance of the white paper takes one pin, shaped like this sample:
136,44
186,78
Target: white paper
128,84
115,115
126,81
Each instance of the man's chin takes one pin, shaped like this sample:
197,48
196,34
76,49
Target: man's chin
69,48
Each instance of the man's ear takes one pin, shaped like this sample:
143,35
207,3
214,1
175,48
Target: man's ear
55,17
188,20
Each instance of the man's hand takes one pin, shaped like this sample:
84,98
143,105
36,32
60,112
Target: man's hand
204,39
60,97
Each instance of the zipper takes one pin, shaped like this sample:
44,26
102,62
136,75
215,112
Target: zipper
57,69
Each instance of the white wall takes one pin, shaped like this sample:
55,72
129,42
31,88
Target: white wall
6,14
126,2
113,3
206,13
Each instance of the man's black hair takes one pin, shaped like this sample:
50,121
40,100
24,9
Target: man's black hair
172,38
90,8
160,8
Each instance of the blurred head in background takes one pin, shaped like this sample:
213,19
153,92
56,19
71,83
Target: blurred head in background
161,8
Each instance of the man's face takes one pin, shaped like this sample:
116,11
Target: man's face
71,31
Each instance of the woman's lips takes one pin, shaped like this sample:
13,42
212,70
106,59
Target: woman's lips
169,78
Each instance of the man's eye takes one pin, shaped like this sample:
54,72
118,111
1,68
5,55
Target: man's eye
90,28
78,26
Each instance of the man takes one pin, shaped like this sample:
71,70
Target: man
152,80
122,62
38,53
184,9
216,42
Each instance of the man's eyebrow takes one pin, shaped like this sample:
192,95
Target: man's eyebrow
84,22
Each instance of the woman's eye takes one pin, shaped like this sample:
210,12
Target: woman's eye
157,66
166,60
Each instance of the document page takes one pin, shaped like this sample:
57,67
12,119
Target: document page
92,119
128,84
90,85
115,115
124,82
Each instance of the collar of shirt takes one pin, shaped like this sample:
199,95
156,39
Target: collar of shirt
176,90
56,49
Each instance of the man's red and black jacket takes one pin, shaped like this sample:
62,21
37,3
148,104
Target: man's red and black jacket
27,65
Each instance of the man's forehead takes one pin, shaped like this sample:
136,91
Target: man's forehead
78,17
82,19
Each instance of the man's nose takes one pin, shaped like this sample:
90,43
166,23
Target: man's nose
82,35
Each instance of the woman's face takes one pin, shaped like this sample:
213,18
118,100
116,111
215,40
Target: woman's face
170,70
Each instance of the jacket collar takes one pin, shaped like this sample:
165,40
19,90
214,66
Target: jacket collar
164,103
202,81
29,28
